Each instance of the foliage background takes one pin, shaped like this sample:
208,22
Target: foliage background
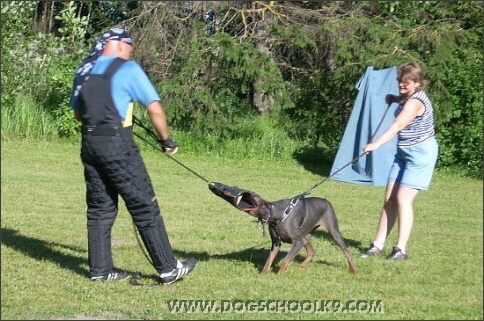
281,75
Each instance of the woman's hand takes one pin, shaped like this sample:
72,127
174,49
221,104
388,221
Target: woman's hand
390,99
371,147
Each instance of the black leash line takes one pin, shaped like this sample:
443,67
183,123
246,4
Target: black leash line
379,124
136,121
155,136
308,191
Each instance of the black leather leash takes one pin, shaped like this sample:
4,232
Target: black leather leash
294,201
137,122
308,191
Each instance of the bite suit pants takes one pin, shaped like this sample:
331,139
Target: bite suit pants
113,166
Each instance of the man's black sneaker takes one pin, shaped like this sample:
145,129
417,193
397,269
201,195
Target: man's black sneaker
113,276
397,255
182,269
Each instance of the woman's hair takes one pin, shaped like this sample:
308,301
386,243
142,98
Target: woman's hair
412,71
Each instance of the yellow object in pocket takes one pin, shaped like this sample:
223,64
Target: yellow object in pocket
128,121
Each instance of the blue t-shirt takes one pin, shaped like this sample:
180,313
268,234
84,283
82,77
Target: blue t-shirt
129,83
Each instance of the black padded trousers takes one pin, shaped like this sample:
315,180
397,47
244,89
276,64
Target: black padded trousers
113,166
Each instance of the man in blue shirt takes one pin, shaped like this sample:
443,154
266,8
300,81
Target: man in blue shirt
105,86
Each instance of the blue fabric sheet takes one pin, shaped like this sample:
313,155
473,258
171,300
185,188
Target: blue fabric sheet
368,111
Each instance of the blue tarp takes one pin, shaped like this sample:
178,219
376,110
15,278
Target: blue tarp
368,111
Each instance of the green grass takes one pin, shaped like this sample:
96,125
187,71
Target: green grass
28,120
44,260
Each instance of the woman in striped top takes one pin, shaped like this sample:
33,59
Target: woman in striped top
414,162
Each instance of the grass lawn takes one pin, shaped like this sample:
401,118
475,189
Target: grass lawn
44,266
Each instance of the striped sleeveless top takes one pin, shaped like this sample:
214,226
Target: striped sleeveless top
422,127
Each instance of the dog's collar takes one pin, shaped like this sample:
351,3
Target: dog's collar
269,214
264,220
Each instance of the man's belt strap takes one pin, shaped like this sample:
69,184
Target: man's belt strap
103,130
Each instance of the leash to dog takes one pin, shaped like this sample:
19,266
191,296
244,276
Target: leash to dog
296,198
138,122
309,190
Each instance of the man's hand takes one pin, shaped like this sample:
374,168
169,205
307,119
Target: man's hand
167,145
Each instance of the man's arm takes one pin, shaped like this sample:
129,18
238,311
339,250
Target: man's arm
158,118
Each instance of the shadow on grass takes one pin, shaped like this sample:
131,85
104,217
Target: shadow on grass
45,251
258,256
314,160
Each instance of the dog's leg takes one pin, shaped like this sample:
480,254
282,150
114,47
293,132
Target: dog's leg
275,246
270,259
310,253
335,233
296,247
330,222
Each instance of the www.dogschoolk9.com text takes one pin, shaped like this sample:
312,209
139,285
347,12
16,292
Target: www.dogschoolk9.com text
275,306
